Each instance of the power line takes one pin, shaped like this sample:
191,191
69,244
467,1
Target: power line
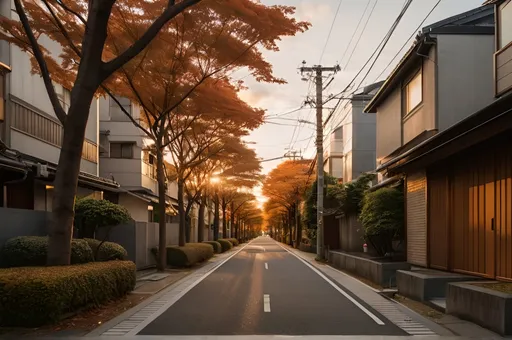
355,31
378,52
330,31
361,35
409,39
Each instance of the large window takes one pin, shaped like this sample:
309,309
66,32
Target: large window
413,93
505,24
64,96
116,111
121,150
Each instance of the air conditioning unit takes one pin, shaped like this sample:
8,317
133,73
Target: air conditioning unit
42,170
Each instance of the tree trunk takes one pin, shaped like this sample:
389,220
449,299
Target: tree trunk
188,220
181,211
224,219
162,226
298,227
232,221
200,220
216,218
66,179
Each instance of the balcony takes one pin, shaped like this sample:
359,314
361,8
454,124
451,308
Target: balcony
503,72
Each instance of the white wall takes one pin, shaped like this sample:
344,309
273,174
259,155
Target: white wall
465,76
138,208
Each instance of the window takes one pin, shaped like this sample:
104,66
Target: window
338,134
413,93
121,150
505,24
115,110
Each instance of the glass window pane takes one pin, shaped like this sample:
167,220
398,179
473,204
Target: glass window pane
127,151
413,93
115,150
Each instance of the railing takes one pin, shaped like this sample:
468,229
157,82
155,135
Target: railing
46,129
149,170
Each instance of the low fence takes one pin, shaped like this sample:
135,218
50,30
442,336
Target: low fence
136,237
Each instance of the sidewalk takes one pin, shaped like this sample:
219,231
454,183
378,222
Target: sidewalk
446,325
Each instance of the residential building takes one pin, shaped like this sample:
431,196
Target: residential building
350,149
32,134
456,159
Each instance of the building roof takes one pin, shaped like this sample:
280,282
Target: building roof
477,21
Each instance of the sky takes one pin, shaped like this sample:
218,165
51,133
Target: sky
275,138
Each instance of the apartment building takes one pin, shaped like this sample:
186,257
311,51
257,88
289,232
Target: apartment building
32,135
350,148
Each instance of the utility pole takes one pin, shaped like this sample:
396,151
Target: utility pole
318,71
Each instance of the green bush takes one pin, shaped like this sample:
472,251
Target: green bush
34,296
189,255
26,251
233,241
108,251
217,248
382,217
92,214
225,244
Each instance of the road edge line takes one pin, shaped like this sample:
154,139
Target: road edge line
335,286
176,298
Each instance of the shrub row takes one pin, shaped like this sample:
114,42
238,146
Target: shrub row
225,244
233,241
34,296
217,248
189,255
26,251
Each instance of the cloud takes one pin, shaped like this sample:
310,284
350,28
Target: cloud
309,11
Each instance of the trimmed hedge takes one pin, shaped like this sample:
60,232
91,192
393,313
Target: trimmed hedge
189,255
233,241
217,248
108,251
34,296
26,251
225,244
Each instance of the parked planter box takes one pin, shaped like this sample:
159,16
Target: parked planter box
486,307
379,272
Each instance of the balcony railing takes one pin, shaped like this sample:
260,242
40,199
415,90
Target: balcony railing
503,72
46,129
149,170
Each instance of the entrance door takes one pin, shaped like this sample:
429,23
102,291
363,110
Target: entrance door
490,220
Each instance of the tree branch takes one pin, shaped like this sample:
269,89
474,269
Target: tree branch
170,12
76,14
38,54
63,29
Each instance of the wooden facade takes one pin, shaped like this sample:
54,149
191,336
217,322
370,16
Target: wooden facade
470,211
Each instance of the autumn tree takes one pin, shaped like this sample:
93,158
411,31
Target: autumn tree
285,186
100,37
81,28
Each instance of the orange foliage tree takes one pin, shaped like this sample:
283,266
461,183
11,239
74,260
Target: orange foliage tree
284,188
210,38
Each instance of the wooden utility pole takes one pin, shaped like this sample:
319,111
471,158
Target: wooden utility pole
318,70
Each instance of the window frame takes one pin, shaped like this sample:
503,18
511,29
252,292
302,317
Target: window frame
122,146
405,92
127,107
2,96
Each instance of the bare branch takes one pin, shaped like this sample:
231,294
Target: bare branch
170,12
62,29
38,54
76,14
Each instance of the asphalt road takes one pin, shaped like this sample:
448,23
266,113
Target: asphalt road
264,290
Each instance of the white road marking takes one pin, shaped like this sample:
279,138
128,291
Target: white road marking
266,303
335,286
166,304
266,265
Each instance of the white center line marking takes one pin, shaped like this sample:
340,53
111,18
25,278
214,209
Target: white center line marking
266,303
266,265
335,286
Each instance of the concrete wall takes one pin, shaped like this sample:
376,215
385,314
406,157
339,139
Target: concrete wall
389,122
351,234
138,208
465,83
424,117
21,222
364,139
